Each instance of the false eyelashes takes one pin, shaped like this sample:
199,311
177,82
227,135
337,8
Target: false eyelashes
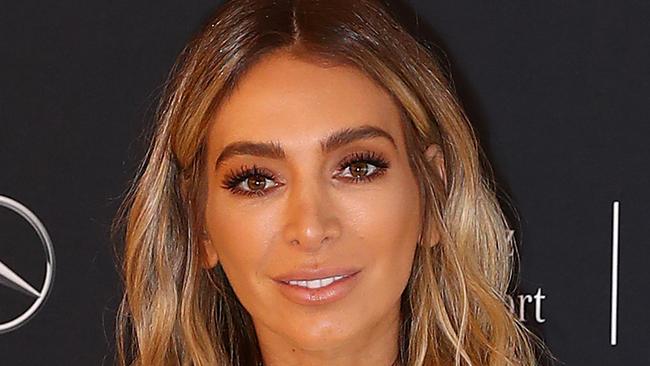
235,178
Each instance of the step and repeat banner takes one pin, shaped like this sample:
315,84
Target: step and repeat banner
559,93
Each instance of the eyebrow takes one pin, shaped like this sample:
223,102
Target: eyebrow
274,150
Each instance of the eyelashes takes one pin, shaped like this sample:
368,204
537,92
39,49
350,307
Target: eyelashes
234,179
359,167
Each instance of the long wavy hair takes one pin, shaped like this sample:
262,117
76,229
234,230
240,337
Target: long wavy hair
454,309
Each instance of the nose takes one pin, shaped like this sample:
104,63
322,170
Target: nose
310,218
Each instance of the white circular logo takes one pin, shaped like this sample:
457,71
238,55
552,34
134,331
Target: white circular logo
12,280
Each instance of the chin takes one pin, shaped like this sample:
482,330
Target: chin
322,336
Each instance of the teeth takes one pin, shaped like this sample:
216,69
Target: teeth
326,281
318,283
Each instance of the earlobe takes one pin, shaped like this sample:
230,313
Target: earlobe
432,240
435,238
211,257
435,156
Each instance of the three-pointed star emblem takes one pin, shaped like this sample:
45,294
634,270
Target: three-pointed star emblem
13,280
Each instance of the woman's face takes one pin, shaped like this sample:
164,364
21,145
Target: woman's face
308,179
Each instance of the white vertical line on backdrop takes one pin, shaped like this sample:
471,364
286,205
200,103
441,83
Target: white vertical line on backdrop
613,329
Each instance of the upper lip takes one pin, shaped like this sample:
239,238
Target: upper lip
307,274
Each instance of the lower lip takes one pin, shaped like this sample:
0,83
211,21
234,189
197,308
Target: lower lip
319,296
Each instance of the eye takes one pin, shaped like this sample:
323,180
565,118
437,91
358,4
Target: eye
249,181
358,167
363,167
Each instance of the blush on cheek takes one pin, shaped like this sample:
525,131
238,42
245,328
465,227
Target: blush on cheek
242,240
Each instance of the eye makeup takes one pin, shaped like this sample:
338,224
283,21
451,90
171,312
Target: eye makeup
358,162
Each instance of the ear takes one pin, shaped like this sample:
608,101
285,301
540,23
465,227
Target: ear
211,256
435,156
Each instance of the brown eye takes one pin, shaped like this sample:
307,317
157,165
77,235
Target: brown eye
253,181
363,167
359,169
256,182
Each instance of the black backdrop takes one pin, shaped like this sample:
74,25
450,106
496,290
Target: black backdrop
557,90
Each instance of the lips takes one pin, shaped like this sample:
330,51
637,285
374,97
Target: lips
317,287
309,274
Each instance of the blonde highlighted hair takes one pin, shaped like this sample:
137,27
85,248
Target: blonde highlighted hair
454,308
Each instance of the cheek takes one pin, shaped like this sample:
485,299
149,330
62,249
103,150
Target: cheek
383,234
240,236
387,215
396,224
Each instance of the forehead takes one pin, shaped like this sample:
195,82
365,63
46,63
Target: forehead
297,102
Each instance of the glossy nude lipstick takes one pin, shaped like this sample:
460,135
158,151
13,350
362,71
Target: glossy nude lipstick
317,287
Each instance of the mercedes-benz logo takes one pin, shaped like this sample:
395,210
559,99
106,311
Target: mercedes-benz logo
12,280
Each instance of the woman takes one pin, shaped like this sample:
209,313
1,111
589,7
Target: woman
313,195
